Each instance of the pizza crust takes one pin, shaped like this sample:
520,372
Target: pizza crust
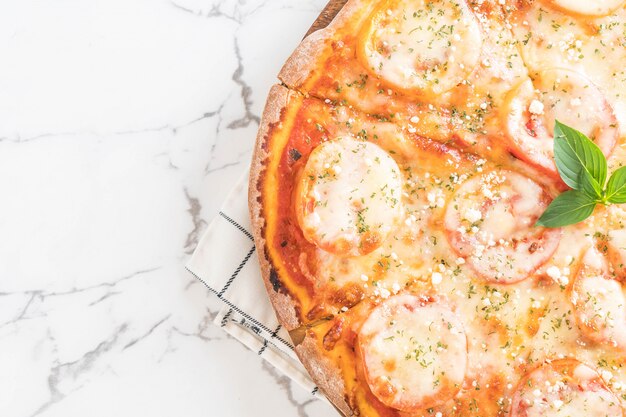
284,305
304,59
326,375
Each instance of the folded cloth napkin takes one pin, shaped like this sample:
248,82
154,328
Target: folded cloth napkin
226,262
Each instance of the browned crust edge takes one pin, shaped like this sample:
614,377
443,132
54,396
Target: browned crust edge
284,305
333,7
304,59
295,71
326,375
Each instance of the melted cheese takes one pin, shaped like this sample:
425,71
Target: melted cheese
601,309
349,196
557,94
599,302
590,47
564,389
490,222
422,45
414,352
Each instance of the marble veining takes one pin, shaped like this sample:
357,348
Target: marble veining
123,125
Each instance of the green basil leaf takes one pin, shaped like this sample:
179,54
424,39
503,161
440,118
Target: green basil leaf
574,152
589,185
616,187
568,208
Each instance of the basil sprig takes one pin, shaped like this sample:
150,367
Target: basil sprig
582,166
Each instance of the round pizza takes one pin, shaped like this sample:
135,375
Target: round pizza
401,169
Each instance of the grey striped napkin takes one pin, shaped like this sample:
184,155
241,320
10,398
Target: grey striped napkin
226,262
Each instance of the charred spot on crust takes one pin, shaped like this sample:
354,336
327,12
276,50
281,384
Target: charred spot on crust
294,154
274,280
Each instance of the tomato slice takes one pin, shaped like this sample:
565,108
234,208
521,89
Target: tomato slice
599,302
556,94
421,46
414,352
348,196
563,388
490,222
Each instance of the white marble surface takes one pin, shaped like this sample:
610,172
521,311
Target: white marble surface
123,124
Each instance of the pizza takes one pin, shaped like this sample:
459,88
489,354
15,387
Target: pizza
400,168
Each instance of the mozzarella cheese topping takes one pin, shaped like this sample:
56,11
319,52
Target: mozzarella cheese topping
599,302
557,94
592,48
349,197
422,45
564,388
601,309
414,352
490,222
